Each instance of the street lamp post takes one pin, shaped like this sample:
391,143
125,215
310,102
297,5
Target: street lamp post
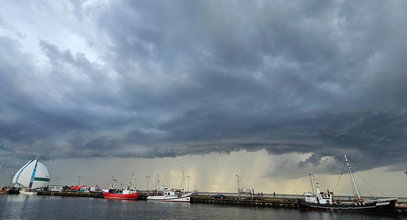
148,181
79,180
56,180
158,182
238,185
188,177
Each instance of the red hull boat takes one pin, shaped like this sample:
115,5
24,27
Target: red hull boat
121,194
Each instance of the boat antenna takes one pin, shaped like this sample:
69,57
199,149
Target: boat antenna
183,180
158,182
132,180
114,180
316,181
353,178
312,185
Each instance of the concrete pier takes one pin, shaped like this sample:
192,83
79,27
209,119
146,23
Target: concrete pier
247,201
230,200
71,194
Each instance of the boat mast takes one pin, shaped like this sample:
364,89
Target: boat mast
132,181
312,185
353,178
317,185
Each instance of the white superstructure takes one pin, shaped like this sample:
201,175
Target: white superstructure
170,195
32,175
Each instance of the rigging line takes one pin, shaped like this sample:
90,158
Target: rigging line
340,175
372,185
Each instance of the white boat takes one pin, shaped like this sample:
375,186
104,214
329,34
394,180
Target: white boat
31,177
27,191
170,195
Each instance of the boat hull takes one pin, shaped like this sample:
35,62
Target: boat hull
169,199
373,207
130,196
28,193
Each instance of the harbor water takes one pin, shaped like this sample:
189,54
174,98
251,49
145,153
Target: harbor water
54,207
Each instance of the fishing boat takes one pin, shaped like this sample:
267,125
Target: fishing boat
170,195
126,194
129,193
324,201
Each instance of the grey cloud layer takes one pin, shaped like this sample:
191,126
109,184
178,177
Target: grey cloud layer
178,78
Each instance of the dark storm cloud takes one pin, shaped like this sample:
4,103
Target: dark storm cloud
187,77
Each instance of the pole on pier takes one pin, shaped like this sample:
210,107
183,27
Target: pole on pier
238,185
56,180
79,180
188,177
148,181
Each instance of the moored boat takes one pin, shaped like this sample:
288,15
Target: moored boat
33,176
27,191
325,201
170,195
126,194
13,190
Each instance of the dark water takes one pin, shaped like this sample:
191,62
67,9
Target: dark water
50,207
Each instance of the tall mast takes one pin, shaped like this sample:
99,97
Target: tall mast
351,176
317,185
183,180
132,181
312,185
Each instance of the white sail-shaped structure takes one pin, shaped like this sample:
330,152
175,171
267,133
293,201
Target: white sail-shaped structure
32,175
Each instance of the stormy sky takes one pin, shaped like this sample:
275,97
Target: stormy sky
163,79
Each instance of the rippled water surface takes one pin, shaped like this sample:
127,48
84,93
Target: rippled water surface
50,207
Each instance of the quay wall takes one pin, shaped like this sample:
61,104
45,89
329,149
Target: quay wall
247,201
71,194
231,200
